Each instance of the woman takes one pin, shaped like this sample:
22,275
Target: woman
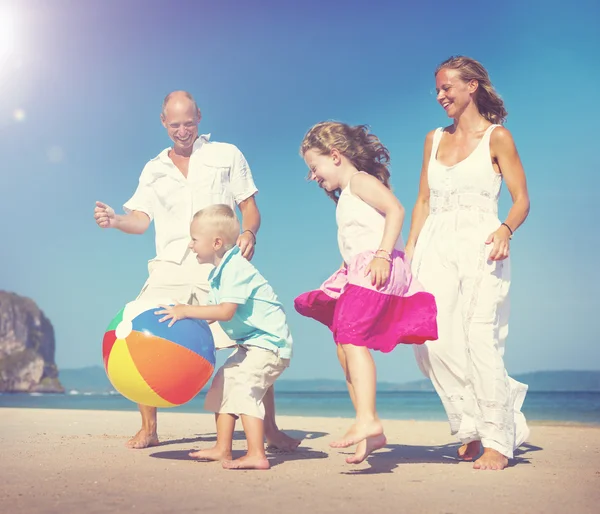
461,255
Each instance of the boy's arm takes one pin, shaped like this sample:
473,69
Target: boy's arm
220,312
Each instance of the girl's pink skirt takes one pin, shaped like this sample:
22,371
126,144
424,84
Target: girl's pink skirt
359,314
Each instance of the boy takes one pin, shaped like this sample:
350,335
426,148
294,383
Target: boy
250,314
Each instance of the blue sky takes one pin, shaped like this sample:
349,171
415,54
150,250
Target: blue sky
79,117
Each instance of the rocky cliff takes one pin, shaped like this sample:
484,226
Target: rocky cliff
26,347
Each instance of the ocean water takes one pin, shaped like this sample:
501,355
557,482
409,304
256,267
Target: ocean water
564,407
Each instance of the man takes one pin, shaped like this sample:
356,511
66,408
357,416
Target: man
181,180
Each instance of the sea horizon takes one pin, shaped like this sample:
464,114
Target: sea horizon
579,407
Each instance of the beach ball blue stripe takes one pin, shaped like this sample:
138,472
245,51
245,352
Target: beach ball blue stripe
193,334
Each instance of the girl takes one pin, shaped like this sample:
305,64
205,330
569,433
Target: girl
461,254
372,302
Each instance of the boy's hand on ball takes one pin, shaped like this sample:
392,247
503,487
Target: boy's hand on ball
172,312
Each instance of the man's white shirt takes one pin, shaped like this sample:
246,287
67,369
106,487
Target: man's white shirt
218,173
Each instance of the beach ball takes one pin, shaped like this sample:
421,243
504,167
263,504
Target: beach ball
153,364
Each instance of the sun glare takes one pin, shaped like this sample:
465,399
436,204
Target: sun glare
7,35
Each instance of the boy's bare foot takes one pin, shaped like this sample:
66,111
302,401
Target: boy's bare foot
491,459
282,442
142,439
366,447
357,433
212,454
469,451
247,462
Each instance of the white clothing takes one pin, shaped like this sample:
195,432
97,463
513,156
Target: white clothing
242,382
451,261
184,283
218,173
360,226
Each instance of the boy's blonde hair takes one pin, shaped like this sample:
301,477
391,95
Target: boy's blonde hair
223,220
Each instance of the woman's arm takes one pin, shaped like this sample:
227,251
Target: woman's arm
505,155
421,208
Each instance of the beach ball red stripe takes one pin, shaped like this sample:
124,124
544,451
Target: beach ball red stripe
152,355
107,343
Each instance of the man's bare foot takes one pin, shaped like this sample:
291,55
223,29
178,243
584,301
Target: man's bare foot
469,451
212,454
357,433
142,439
282,442
247,462
365,447
491,459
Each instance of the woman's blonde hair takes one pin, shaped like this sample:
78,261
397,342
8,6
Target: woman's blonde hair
489,104
361,148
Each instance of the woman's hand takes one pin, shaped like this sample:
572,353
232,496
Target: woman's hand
501,244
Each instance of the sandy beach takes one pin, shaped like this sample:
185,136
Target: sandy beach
75,461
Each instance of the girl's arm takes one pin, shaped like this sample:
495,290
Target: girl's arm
505,155
373,192
421,208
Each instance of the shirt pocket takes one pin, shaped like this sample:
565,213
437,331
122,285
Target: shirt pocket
211,184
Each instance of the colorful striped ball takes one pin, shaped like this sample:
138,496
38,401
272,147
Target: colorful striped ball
153,364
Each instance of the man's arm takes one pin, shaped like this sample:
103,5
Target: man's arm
134,222
250,225
244,189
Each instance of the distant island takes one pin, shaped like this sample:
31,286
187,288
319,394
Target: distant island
27,347
94,380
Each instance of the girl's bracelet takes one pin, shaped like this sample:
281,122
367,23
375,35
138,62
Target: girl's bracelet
384,257
384,251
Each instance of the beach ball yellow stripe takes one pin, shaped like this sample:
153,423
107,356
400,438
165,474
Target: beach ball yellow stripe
126,378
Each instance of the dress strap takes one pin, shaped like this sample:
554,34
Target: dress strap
489,130
437,137
353,175
484,145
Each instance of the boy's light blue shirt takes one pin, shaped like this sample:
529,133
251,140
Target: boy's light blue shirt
260,318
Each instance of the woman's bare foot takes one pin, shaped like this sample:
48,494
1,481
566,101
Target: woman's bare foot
366,447
359,432
247,462
281,441
491,459
469,451
212,454
143,439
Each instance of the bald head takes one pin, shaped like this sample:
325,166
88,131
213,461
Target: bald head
179,99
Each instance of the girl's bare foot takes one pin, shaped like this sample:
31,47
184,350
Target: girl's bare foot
247,462
469,451
212,454
143,439
491,459
366,447
357,433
